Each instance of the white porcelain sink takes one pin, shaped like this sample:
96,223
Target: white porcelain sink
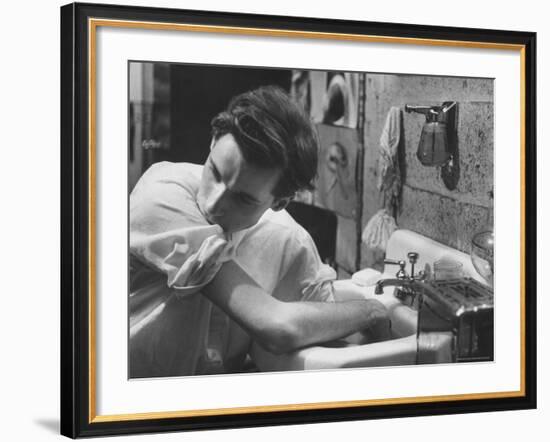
402,348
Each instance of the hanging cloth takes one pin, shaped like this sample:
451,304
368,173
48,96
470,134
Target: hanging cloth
389,174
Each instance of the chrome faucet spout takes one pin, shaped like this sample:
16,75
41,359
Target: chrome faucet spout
407,285
379,289
402,283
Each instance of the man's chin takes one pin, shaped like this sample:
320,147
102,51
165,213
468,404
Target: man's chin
226,227
212,220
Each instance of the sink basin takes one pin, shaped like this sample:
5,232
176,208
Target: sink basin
401,349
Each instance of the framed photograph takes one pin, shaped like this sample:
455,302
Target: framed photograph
274,220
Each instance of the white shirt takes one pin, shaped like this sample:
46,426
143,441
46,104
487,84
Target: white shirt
169,318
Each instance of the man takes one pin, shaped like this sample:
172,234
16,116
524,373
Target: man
219,233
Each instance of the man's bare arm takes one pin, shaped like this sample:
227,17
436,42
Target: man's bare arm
281,327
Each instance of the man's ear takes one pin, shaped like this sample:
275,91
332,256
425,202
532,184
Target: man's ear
280,203
212,143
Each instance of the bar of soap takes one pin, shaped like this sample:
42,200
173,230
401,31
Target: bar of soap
366,277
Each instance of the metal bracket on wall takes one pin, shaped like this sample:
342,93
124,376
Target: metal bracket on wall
450,172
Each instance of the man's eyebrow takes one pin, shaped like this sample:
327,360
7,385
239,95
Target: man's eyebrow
249,197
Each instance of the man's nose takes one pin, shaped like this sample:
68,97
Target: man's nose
215,201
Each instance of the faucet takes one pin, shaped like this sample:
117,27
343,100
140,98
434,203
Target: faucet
406,284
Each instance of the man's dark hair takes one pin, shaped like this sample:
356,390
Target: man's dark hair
272,131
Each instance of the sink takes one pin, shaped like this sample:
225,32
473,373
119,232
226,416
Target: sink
401,349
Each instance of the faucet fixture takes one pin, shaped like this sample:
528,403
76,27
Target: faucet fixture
407,285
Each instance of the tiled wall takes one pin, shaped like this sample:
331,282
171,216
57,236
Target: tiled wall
450,217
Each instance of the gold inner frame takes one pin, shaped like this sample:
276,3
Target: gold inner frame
93,24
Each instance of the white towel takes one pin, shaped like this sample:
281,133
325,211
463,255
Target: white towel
378,230
389,175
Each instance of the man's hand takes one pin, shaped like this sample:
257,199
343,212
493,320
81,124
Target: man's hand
378,324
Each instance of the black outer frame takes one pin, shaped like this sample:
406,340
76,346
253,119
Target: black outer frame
75,219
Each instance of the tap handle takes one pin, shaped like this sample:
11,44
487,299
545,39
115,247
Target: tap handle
401,273
413,257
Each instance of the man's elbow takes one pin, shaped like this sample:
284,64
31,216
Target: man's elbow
281,337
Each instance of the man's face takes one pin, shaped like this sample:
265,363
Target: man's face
234,193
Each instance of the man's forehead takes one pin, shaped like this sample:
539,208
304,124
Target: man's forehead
241,175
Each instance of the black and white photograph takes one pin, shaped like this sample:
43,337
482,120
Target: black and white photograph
274,221
289,220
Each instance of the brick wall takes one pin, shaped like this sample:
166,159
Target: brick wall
428,207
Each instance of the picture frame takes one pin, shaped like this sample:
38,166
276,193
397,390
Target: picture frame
81,177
